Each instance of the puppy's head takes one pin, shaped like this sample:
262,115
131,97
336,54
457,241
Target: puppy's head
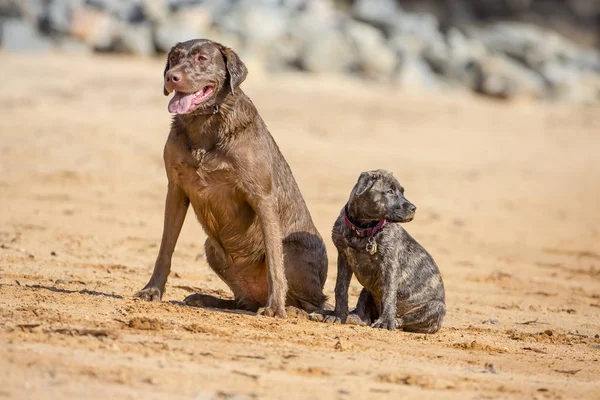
378,195
200,72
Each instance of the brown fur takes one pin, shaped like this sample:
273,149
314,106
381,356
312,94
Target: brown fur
261,238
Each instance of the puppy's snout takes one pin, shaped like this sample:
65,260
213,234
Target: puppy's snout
410,207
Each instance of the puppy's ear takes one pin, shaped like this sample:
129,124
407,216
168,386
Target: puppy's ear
365,182
236,69
165,92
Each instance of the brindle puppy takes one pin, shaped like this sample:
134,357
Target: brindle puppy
221,159
402,284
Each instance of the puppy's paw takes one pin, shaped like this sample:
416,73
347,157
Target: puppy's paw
149,294
354,319
385,323
272,311
316,316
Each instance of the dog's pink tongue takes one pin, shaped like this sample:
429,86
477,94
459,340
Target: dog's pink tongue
180,103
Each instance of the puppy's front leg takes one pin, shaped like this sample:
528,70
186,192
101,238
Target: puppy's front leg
176,207
387,318
269,221
344,275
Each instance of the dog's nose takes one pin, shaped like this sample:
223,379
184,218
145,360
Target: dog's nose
173,76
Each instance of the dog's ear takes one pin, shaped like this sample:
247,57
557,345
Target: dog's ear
236,69
365,182
165,92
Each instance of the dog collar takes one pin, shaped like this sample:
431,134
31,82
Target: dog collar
210,110
360,232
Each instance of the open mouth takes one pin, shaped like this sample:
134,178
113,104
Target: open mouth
183,103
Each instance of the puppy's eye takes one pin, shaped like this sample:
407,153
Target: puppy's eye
201,57
390,191
172,59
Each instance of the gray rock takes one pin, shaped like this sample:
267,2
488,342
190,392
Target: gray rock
329,52
97,28
18,35
156,11
457,59
569,83
532,45
379,13
168,35
129,11
69,45
255,22
412,34
505,78
135,39
376,60
415,73
316,18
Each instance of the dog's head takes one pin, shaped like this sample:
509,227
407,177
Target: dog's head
200,72
378,195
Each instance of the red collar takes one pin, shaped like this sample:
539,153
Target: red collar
360,231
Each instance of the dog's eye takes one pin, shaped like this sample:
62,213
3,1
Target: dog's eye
172,59
201,57
390,191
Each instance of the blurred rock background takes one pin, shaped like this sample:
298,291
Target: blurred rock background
542,49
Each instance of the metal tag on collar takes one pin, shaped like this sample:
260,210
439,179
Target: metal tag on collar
371,245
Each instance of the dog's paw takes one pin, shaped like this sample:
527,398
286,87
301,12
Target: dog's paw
149,294
354,319
272,311
293,312
385,323
198,300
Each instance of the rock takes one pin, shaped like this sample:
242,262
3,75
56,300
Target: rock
135,39
376,59
457,59
69,45
167,35
316,18
186,24
128,11
256,23
94,27
157,12
56,17
18,35
329,52
499,76
415,73
379,13
412,34
568,83
531,45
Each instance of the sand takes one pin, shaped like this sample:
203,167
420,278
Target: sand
508,199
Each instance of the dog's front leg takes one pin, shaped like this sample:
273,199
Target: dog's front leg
387,318
176,207
266,208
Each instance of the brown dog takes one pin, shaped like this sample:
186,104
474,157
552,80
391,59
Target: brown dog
221,158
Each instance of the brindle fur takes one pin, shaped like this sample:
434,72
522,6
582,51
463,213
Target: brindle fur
402,285
261,238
